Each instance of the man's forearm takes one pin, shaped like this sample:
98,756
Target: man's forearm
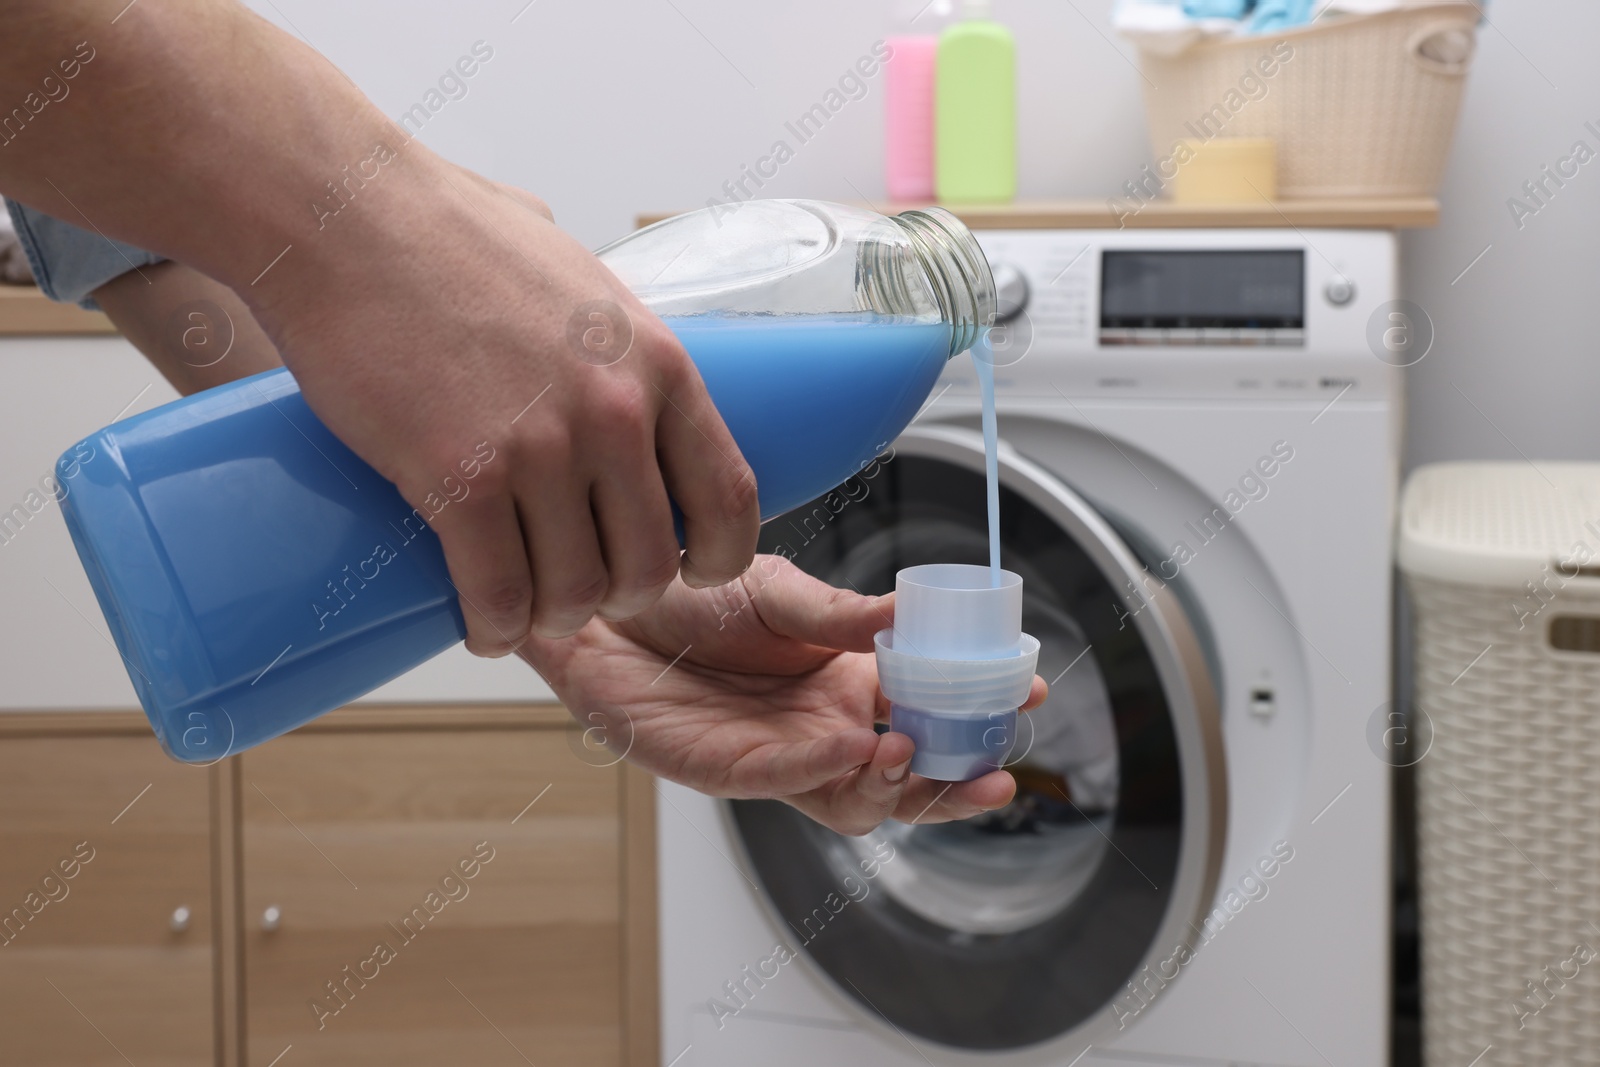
194,330
195,129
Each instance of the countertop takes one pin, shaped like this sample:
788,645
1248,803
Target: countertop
25,311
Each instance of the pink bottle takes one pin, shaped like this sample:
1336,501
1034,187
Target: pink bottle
908,117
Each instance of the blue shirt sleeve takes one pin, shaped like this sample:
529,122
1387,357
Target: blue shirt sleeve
69,263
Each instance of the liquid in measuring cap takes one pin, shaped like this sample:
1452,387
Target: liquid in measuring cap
956,667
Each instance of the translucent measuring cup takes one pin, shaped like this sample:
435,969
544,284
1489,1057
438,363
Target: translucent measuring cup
956,667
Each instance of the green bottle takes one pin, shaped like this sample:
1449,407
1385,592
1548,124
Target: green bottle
975,110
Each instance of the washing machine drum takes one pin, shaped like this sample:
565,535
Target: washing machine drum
1021,925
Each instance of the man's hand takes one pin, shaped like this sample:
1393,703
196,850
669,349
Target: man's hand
764,687
478,326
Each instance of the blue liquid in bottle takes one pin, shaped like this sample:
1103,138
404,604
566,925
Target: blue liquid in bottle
255,573
813,401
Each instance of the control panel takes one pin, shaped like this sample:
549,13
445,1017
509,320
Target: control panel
1237,313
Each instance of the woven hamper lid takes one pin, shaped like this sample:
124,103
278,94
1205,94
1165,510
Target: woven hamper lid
1499,524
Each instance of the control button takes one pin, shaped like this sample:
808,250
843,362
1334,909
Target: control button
1010,292
1339,290
1262,702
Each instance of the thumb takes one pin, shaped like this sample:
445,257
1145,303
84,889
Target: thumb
795,605
548,657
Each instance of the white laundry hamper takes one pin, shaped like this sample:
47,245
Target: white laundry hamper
1503,564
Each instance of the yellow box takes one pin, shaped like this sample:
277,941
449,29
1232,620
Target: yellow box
1227,170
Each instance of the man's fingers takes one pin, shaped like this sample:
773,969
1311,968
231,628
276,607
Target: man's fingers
635,521
815,612
710,481
927,801
569,574
483,548
785,768
868,798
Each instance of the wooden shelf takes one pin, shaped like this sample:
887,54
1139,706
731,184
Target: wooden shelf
25,311
1363,213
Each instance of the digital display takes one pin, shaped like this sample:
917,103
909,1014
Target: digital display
1201,291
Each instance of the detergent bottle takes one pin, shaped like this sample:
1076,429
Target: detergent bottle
255,573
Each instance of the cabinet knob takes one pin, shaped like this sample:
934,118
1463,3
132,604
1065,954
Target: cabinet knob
271,918
180,918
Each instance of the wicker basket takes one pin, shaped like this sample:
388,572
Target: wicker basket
1508,797
1364,105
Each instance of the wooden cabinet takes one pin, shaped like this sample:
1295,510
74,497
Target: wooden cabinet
105,882
385,886
393,908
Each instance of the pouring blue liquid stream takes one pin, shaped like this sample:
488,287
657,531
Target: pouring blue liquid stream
983,363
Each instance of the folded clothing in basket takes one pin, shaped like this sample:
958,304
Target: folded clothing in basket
1167,27
1216,9
1270,16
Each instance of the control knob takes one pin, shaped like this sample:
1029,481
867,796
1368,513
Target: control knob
1010,291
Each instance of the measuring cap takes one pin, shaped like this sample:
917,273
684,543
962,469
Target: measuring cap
956,667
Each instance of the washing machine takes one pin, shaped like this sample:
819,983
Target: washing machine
1198,466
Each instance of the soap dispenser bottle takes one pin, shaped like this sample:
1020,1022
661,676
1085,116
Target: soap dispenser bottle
255,573
975,138
908,98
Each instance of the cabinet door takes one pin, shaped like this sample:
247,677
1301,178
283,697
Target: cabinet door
404,903
105,909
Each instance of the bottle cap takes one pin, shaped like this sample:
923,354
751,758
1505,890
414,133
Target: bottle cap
955,611
956,667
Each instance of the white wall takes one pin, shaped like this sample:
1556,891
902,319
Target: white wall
612,107
1516,335
607,108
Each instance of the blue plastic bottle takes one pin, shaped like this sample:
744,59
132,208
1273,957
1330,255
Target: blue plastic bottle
256,573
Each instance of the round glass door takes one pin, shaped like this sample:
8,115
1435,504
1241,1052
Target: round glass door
1021,925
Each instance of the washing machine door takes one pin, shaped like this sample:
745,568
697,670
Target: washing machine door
1025,925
